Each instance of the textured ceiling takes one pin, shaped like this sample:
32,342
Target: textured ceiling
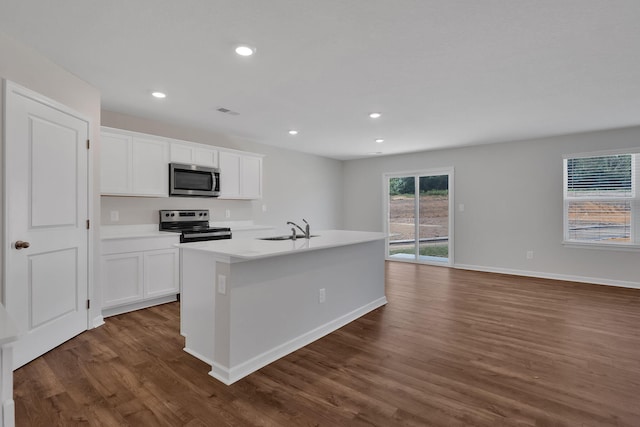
443,73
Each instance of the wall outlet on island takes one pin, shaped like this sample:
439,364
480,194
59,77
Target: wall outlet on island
115,216
227,213
529,254
322,295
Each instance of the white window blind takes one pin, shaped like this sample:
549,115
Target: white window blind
601,200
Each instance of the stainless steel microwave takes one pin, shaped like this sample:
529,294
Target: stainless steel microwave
193,180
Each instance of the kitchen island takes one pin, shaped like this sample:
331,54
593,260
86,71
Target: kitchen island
248,302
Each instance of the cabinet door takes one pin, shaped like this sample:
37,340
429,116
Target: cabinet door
150,167
229,175
161,273
121,279
205,156
251,178
181,153
115,164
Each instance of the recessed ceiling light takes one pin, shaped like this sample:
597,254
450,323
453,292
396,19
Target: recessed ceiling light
374,115
244,50
159,95
375,153
293,132
379,140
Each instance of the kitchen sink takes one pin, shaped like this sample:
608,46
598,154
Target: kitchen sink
287,237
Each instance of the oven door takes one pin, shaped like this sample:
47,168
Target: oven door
193,180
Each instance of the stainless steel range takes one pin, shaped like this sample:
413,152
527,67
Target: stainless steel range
193,225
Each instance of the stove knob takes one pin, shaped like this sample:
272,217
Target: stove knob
173,214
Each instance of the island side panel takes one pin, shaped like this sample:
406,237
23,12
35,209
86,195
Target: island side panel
197,302
274,302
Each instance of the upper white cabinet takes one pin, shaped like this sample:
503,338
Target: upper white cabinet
229,174
196,154
133,166
150,161
116,164
240,175
251,177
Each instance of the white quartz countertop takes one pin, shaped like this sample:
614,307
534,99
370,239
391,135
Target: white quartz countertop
251,248
8,330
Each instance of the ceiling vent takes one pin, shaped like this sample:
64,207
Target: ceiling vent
227,111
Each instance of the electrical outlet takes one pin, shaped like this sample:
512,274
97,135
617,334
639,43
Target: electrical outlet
227,213
222,284
264,208
461,207
115,216
322,295
529,254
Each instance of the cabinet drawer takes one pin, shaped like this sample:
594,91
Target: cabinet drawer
138,244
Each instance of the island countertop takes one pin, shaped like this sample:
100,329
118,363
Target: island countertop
252,248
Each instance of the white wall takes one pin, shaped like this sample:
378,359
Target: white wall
295,185
512,194
32,70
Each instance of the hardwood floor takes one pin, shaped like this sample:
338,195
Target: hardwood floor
452,348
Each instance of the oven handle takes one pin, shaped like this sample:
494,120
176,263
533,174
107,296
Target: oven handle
187,235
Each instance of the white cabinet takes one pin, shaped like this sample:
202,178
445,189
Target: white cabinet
133,166
139,273
150,167
251,177
115,164
122,279
229,175
197,154
240,175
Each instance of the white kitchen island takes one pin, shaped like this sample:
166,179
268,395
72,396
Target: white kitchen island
248,302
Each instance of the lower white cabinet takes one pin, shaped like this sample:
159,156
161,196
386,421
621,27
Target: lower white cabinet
138,273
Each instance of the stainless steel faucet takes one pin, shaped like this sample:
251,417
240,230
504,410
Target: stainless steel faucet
306,231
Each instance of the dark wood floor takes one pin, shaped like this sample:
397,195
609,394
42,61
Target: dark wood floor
452,348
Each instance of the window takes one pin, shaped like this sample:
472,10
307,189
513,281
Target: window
601,200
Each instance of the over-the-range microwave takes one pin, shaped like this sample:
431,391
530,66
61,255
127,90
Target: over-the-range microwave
193,180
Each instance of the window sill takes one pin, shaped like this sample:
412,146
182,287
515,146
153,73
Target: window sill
602,246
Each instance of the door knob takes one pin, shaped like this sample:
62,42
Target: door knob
22,245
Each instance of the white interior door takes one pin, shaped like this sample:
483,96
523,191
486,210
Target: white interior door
45,167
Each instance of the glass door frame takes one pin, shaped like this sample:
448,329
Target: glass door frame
386,177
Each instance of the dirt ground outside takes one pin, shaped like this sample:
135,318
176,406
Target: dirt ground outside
434,217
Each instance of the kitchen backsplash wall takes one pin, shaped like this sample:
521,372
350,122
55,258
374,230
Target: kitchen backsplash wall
295,185
144,210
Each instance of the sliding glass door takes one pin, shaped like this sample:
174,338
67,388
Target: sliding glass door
418,216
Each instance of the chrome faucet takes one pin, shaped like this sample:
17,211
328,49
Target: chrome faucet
306,231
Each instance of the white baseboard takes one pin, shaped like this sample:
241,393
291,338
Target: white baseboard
113,311
97,321
541,275
198,356
230,375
